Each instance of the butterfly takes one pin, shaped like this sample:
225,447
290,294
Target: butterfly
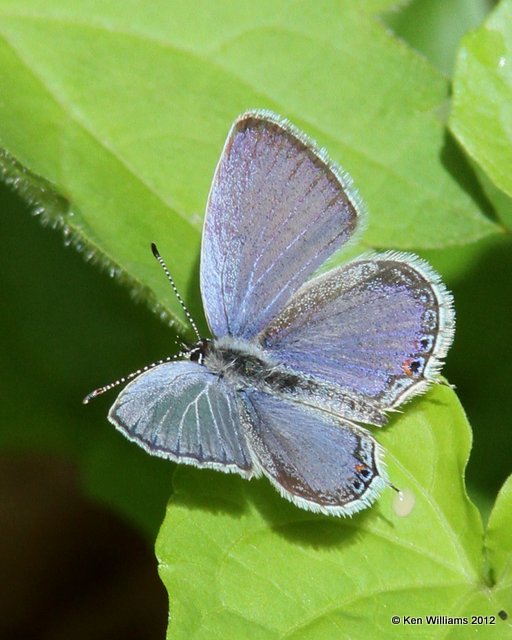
297,361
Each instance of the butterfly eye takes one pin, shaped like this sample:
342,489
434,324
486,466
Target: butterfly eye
199,350
195,355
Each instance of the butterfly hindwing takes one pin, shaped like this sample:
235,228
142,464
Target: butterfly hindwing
180,411
315,460
377,328
277,210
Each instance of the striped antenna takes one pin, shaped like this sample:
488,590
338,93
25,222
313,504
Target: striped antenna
134,374
181,354
175,289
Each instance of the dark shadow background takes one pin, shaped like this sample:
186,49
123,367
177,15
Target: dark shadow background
70,564
70,569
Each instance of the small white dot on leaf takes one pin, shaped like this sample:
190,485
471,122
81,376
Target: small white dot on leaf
403,502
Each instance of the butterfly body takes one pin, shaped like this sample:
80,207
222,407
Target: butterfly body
296,362
245,365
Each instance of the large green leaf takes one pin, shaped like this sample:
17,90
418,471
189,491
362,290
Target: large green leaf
125,112
499,540
481,117
238,561
435,27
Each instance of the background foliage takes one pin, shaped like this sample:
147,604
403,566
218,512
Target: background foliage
123,114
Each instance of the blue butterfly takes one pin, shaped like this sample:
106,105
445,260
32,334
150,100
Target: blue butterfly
296,362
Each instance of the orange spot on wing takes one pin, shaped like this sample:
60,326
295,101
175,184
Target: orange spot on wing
406,366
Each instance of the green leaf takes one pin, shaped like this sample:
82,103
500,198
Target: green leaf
499,540
125,112
379,6
239,561
501,202
481,117
435,27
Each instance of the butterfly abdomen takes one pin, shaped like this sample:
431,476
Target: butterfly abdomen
244,365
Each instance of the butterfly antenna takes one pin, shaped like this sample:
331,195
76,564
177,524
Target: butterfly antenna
134,374
175,289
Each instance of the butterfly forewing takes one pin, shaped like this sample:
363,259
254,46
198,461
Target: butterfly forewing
180,411
277,210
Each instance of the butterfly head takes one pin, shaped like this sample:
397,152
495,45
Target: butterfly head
198,351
